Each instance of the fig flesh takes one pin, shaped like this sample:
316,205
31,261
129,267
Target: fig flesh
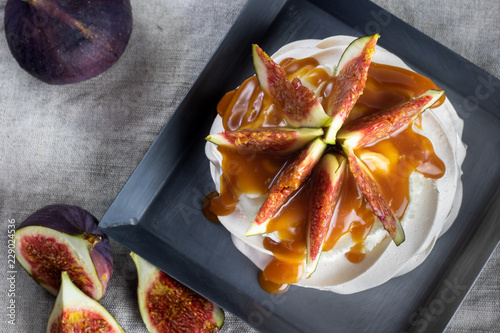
168,306
74,311
269,140
63,42
371,190
326,183
300,106
61,238
371,128
351,74
288,182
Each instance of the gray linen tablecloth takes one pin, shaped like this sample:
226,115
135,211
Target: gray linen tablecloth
78,144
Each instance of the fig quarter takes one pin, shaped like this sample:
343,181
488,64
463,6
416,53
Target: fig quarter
301,107
326,183
288,182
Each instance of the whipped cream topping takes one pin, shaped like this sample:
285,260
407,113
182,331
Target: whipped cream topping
432,209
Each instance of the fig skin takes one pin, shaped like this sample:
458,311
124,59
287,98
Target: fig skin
62,41
72,221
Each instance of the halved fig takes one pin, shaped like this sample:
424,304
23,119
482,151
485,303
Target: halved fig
326,183
288,182
374,127
268,140
371,190
166,305
74,311
351,73
61,238
300,106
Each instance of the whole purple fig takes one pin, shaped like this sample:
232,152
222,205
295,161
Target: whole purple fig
66,41
60,238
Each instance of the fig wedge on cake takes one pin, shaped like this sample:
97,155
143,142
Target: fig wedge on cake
268,140
301,107
371,190
326,183
351,73
371,128
288,182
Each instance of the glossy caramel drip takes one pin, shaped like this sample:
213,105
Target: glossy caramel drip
207,209
392,160
223,204
249,107
388,86
270,286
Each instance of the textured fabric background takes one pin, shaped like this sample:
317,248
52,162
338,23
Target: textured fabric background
78,144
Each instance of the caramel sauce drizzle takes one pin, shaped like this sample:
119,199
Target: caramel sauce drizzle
392,160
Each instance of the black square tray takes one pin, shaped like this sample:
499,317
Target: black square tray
157,213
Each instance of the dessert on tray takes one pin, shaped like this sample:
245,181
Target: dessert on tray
336,166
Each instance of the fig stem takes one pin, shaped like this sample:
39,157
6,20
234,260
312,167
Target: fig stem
92,239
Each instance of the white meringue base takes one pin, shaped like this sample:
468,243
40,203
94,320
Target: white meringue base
433,207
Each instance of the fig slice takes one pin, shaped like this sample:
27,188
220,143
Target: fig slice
166,305
268,140
351,73
374,127
301,107
74,311
371,190
60,238
326,183
292,177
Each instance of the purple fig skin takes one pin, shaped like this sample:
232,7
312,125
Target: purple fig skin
75,221
61,41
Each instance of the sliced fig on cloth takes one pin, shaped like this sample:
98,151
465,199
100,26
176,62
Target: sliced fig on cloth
74,311
168,306
288,182
326,183
371,190
371,128
61,238
268,140
351,73
301,107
